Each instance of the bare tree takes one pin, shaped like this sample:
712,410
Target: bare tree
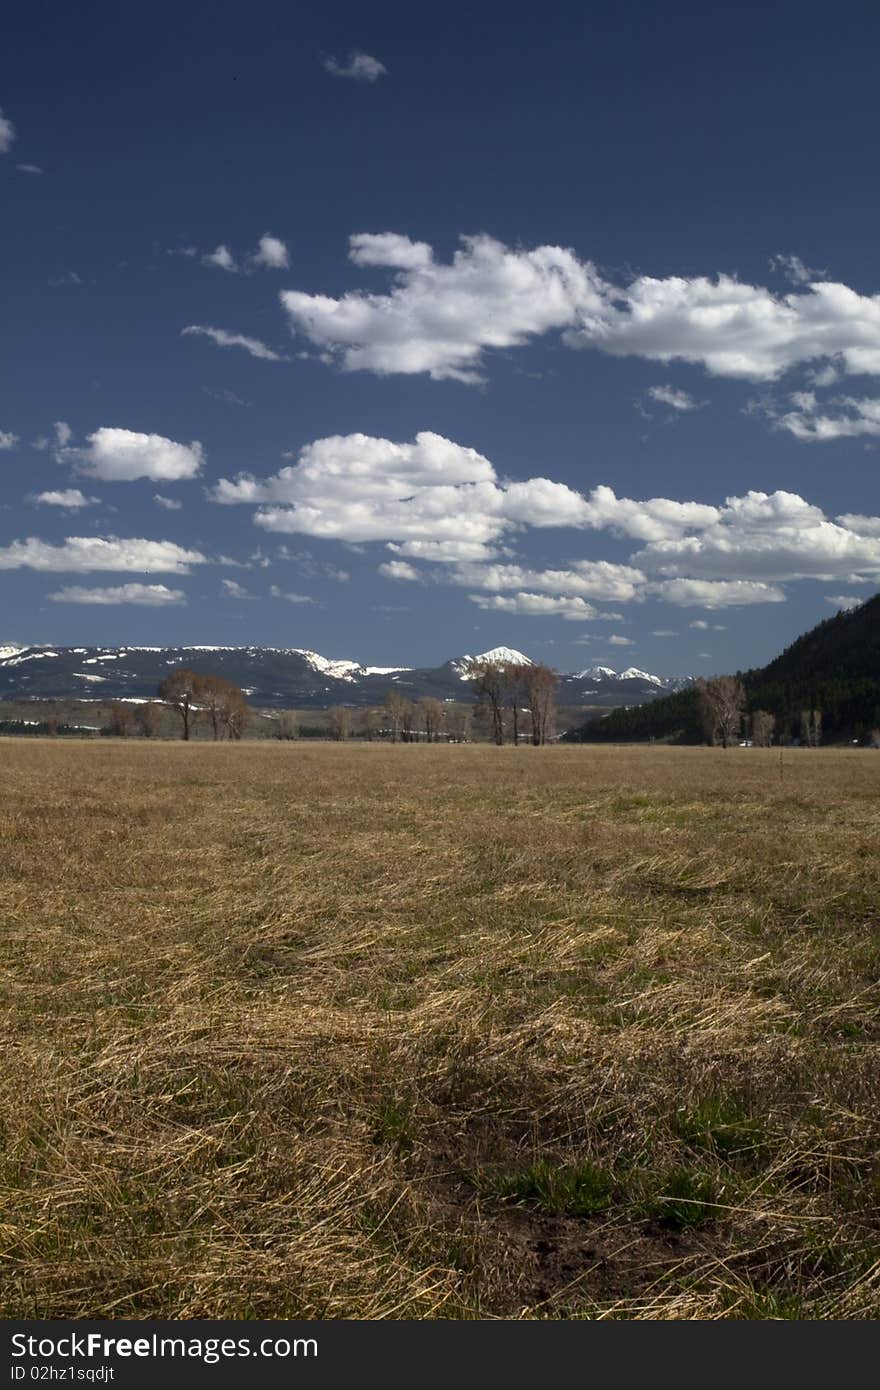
149,719
811,728
490,694
408,731
540,684
121,719
180,689
722,701
371,723
339,720
234,711
398,709
213,693
287,726
458,724
763,724
516,676
433,713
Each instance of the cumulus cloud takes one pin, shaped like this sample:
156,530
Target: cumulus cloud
69,497
271,253
715,593
7,134
434,502
440,318
700,625
845,417
844,601
168,504
570,607
8,440
361,67
146,595
120,455
222,338
672,396
776,536
221,259
437,500
599,579
84,554
399,569
617,641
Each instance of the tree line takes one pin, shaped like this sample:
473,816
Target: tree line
717,711
513,702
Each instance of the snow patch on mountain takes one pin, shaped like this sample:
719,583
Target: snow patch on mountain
339,670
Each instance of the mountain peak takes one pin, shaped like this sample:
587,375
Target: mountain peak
502,654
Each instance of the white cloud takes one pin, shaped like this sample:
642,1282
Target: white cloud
84,554
360,66
69,497
232,589
664,632
700,625
8,440
168,504
7,134
29,168
599,579
389,249
439,319
769,537
146,595
399,569
120,455
271,253
437,502
793,268
221,259
672,396
572,608
62,436
617,641
865,525
222,338
290,598
852,417
844,601
712,593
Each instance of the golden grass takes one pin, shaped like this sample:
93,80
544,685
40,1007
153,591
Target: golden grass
371,1032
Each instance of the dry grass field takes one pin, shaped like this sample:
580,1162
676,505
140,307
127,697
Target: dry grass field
328,1031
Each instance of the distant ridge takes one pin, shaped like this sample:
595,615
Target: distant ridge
286,676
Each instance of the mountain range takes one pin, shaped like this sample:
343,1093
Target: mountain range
288,676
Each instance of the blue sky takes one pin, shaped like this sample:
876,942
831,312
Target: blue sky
396,333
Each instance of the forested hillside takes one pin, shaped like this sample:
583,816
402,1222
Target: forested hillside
834,668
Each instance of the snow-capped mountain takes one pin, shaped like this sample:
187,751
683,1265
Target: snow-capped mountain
287,676
507,656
